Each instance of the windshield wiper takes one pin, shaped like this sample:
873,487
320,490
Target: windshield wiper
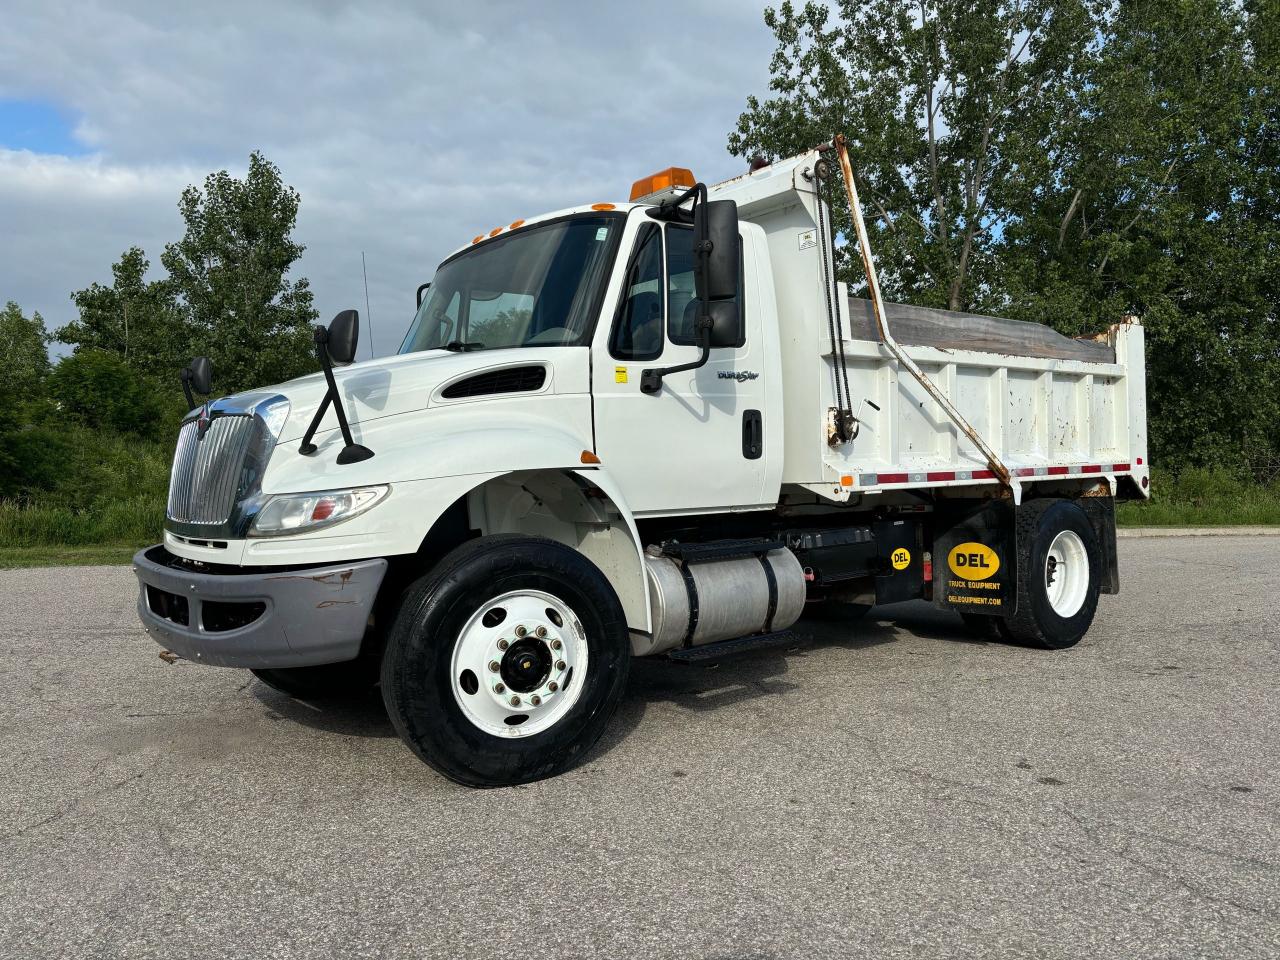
458,346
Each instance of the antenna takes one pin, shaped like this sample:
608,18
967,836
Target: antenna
367,312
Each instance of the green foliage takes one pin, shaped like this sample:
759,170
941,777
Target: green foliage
24,358
1204,497
1069,162
100,390
138,320
229,271
226,293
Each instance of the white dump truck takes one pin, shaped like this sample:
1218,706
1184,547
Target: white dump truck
654,428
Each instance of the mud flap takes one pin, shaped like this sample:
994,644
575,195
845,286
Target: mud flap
975,565
1101,512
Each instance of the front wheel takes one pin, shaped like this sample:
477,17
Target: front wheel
506,661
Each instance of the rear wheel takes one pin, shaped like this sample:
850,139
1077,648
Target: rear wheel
506,662
1059,575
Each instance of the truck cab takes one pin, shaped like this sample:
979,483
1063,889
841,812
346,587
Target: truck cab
627,429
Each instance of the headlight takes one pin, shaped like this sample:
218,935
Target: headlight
304,512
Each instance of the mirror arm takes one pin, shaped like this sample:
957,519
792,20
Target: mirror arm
651,380
352,452
186,388
422,289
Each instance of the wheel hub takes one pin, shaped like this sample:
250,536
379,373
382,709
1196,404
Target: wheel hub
526,665
519,663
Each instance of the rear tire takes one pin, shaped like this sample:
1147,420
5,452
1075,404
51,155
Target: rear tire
550,623
1059,575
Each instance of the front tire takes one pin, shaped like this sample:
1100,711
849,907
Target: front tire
506,661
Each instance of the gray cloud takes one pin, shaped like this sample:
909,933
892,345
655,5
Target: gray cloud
407,128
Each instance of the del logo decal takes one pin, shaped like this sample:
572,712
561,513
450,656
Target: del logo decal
973,561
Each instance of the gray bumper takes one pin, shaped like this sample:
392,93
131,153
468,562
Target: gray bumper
286,618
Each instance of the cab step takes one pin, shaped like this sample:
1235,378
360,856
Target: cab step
730,648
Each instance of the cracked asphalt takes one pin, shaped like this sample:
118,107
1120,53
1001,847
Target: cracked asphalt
891,788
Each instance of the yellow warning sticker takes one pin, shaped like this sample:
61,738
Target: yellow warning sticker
973,561
900,558
619,374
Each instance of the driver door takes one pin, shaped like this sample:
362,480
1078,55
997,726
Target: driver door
697,445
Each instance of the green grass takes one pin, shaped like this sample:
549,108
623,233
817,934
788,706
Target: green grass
1200,497
56,556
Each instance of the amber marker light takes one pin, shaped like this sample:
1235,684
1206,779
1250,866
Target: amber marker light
663,180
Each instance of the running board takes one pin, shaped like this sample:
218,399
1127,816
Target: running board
729,648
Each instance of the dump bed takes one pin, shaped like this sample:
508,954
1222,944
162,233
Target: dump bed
1047,405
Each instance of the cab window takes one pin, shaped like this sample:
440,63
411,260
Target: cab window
637,330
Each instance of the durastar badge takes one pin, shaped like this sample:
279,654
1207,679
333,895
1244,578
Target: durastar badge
739,375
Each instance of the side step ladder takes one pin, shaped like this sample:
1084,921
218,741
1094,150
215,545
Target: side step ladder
722,649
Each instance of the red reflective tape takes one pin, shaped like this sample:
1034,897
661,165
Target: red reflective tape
983,475
1119,467
892,478
941,475
1091,468
1025,472
1059,471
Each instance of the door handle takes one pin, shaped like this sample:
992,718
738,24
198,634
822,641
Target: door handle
752,435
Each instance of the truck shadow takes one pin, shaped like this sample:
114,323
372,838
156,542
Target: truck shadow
694,687
753,676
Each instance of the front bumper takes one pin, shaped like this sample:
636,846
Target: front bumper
260,619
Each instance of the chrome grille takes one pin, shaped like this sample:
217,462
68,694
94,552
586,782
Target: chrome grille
207,472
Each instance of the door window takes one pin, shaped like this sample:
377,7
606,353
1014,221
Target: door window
637,330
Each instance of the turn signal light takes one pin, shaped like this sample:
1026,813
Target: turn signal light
672,177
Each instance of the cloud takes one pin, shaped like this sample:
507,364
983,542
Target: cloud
407,128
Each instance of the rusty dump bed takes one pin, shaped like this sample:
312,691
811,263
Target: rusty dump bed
947,330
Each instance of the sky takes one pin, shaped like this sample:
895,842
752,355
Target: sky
407,128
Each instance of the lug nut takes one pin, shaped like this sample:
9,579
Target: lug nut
535,700
515,701
556,644
553,686
503,644
495,666
521,631
499,688
560,664
541,631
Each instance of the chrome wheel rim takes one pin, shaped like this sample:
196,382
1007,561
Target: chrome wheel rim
519,663
1066,574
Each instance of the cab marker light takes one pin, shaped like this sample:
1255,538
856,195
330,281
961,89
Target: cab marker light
589,457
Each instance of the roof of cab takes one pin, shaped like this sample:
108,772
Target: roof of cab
514,225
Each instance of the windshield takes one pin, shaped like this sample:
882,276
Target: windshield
536,287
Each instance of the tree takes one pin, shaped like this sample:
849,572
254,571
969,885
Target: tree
101,391
24,357
230,273
1069,163
138,320
946,104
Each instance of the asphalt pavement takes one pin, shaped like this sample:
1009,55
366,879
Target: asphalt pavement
890,788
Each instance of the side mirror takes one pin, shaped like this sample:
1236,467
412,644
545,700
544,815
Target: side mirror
715,275
726,325
344,334
201,375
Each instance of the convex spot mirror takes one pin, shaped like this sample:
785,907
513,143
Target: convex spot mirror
715,276
726,327
344,334
201,375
